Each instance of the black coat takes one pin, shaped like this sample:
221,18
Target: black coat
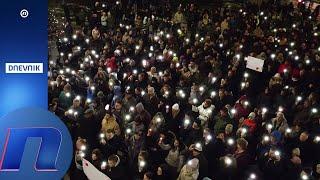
243,160
115,146
89,129
203,166
193,136
175,122
293,171
117,173
213,151
136,175
307,151
273,169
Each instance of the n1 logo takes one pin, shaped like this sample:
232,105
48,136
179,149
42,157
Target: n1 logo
15,144
34,144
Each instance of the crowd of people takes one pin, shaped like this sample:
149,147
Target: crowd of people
160,90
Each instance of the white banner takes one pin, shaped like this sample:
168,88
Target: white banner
92,172
255,63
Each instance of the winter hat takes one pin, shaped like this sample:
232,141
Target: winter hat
193,163
100,94
277,75
89,111
175,106
277,135
198,147
242,98
252,115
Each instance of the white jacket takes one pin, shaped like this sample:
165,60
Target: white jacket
190,171
205,113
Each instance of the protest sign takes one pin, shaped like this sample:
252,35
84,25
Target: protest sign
255,64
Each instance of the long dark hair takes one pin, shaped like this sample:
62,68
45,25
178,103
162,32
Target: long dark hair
181,146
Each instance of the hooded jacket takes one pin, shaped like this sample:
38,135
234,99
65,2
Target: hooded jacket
117,172
110,123
190,171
